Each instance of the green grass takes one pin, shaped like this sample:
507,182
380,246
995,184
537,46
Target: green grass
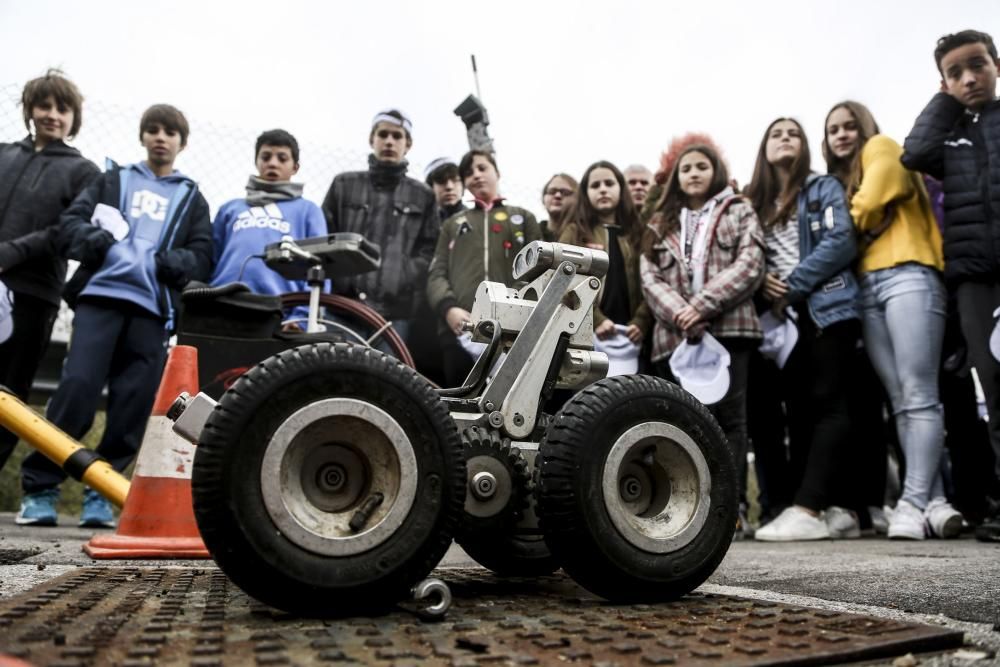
72,491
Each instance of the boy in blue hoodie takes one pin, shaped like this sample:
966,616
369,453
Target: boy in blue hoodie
140,233
273,208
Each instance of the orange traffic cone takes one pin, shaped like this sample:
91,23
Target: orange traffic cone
158,518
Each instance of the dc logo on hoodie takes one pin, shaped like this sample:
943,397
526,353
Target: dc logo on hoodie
150,204
262,217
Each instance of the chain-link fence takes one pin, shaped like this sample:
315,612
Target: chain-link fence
219,157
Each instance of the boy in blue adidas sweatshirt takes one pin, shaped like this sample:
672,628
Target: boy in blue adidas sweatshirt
272,208
140,232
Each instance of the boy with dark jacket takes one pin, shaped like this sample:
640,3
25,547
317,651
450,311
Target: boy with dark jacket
956,139
39,177
392,210
140,232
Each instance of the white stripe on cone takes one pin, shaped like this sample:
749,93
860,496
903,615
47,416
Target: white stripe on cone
164,453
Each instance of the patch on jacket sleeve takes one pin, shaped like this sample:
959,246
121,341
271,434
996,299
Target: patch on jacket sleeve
835,283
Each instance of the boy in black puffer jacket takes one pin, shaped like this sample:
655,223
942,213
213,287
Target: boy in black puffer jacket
957,139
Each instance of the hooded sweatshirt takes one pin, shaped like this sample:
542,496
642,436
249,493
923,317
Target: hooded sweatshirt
35,188
241,231
129,269
168,242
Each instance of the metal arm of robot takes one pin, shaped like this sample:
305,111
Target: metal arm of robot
556,304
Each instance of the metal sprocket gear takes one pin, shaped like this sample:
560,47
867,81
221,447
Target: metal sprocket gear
498,482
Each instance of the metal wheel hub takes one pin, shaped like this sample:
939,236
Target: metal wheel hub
334,461
484,485
490,486
334,476
657,487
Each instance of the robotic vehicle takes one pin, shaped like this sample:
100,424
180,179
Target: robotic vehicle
331,478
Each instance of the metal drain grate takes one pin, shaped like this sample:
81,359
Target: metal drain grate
163,616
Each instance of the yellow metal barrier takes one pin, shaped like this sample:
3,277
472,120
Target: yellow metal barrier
79,462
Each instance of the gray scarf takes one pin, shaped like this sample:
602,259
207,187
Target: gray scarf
262,193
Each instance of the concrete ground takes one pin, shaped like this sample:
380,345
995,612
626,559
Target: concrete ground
953,583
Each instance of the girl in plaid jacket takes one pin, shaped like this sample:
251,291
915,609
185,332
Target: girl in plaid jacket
702,261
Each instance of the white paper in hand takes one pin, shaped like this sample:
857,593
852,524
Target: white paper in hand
110,218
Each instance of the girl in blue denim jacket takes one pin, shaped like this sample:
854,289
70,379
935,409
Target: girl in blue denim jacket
810,247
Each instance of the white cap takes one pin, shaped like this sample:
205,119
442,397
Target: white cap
6,312
623,354
437,164
702,368
995,337
780,337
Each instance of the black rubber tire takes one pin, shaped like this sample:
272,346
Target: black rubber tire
509,555
228,499
571,503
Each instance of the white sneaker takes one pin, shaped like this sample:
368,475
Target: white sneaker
907,522
842,523
942,519
792,525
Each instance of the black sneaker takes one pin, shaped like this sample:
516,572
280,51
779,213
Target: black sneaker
989,529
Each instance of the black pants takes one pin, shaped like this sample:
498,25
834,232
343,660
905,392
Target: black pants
766,426
455,361
112,342
22,352
425,345
976,303
817,380
967,442
731,411
874,434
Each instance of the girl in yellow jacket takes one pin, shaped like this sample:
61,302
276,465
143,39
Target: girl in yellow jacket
903,304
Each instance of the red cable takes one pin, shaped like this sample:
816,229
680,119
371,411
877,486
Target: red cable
359,311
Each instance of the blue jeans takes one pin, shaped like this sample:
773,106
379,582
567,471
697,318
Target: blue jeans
903,318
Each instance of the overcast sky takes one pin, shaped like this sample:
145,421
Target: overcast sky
566,83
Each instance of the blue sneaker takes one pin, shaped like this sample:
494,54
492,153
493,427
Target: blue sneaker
38,509
96,512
